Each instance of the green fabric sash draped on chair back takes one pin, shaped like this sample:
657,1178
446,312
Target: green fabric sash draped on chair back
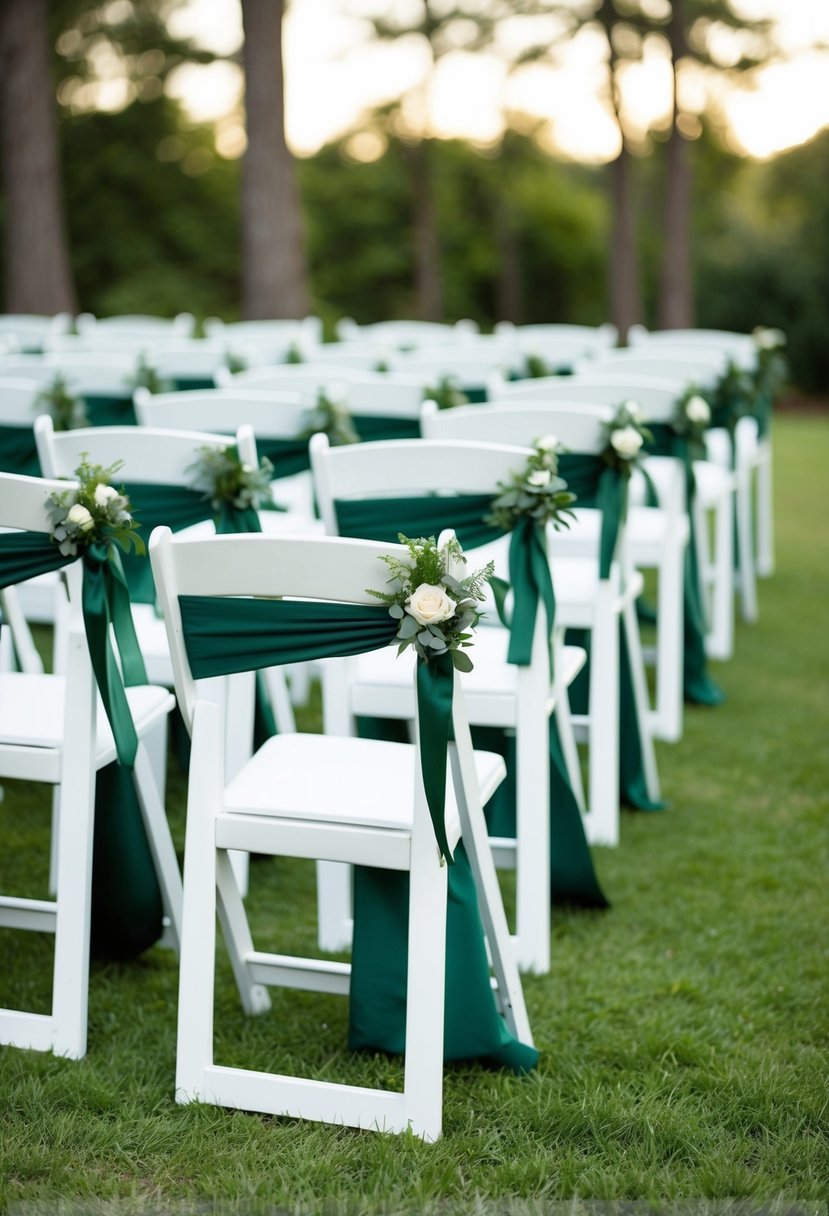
224,635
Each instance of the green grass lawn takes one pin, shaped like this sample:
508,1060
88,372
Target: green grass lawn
683,1033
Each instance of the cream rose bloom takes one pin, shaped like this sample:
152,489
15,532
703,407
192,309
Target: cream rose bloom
539,477
81,517
547,443
769,339
626,441
634,409
104,494
429,605
697,410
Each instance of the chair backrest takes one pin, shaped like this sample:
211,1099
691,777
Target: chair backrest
23,501
578,428
94,373
656,397
404,333
270,414
27,367
17,400
313,568
307,378
306,331
366,392
196,358
150,455
401,467
470,366
527,336
695,367
136,324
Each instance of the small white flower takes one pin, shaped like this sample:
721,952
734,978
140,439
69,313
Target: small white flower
697,410
539,477
429,605
626,441
80,517
547,443
768,339
247,468
634,410
104,494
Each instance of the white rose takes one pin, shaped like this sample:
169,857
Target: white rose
547,443
247,468
626,441
104,494
82,518
430,605
539,477
697,410
769,339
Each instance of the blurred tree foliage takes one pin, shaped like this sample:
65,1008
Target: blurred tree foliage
154,224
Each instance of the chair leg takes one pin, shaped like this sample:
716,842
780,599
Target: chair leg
745,546
236,933
566,734
720,640
194,1047
602,821
532,827
668,718
765,510
490,904
425,990
335,921
640,697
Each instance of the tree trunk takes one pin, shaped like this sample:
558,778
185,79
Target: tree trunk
38,275
625,286
274,273
509,299
676,293
428,284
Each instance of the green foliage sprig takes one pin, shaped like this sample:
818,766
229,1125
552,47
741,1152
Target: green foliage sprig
294,354
535,368
536,491
67,410
222,478
447,394
146,376
95,513
235,362
625,434
330,415
772,369
435,604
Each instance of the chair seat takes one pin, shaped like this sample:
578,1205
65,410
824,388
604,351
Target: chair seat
323,778
382,684
32,715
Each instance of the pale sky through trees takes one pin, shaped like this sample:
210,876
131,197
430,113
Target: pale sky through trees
330,80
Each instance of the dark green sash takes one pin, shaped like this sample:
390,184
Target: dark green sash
18,451
372,427
596,484
110,409
698,686
224,635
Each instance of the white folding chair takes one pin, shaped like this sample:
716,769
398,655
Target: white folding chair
500,694
584,600
315,796
53,730
714,503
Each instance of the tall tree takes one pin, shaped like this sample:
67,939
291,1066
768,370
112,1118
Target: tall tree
274,273
38,274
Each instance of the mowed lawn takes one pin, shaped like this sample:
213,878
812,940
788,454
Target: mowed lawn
683,1033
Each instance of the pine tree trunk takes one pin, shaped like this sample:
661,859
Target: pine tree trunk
625,286
676,292
274,273
428,282
510,294
38,274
